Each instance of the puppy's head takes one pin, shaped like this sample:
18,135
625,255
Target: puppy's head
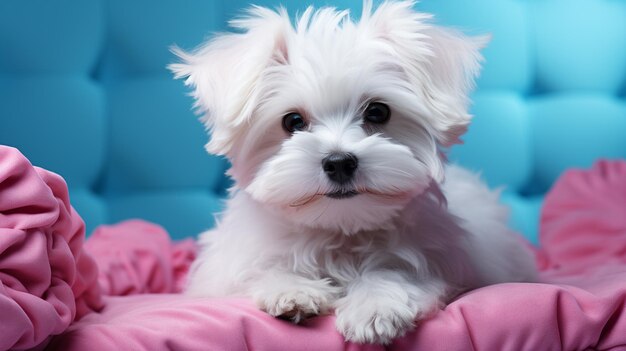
334,123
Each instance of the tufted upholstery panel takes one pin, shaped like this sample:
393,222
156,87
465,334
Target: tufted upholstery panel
84,92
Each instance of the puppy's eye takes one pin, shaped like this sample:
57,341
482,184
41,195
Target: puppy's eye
377,112
294,122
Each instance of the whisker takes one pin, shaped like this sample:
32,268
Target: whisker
306,199
305,202
323,211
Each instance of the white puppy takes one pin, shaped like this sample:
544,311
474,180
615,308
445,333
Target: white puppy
336,131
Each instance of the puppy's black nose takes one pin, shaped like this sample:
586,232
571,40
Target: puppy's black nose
340,167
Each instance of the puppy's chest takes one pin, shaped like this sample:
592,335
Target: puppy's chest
339,257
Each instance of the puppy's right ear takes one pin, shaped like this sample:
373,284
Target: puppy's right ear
224,72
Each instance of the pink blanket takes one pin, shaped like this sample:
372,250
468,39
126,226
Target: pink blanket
46,279
580,303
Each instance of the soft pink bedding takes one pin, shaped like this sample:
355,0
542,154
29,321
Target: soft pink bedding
46,278
137,257
48,281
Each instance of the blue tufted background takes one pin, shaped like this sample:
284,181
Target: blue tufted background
84,92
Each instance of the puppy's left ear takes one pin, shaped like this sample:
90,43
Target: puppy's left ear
441,64
225,73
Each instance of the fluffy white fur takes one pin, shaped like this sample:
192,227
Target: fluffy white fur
418,232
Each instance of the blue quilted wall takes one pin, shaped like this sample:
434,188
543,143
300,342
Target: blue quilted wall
84,92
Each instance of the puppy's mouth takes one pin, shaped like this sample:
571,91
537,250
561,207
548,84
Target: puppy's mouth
342,194
345,194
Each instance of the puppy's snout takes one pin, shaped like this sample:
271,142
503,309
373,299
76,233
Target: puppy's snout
340,167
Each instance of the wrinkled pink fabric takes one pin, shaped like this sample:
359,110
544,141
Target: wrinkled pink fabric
580,303
46,279
584,219
137,257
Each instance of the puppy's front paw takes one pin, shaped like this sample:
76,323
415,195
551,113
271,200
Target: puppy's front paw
379,319
296,302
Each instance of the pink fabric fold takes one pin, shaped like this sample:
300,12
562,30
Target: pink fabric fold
46,279
137,257
583,222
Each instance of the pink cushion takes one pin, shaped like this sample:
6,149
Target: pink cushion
499,317
137,257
